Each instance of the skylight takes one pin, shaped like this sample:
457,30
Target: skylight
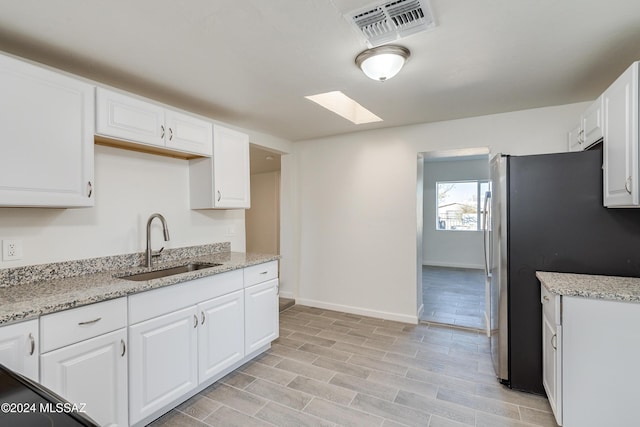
344,106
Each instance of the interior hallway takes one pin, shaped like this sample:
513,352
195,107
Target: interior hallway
453,296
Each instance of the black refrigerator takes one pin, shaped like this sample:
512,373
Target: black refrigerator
546,213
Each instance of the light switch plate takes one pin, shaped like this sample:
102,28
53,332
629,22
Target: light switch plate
11,250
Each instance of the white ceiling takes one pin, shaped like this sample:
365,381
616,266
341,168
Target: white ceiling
250,63
263,161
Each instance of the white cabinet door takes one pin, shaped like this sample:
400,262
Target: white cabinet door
231,168
188,133
124,117
162,360
621,140
93,372
552,365
19,348
221,334
601,349
592,123
261,315
47,137
222,182
574,139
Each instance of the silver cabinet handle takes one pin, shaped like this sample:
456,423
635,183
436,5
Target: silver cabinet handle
33,344
124,348
264,272
89,322
545,298
202,320
627,185
89,189
195,321
554,341
170,134
219,195
162,131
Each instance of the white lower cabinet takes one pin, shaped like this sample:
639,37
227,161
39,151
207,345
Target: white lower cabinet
221,334
262,316
19,348
552,351
590,361
92,372
163,361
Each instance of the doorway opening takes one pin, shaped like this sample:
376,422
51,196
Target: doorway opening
262,220
452,283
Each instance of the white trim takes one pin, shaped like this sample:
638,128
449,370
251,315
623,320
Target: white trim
453,265
286,294
360,311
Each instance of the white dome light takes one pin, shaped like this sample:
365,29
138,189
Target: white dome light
382,62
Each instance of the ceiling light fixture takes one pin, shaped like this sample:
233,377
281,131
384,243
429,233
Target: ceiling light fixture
382,62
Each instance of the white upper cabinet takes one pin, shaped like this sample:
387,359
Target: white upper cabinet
590,129
574,139
124,117
222,182
592,123
620,102
47,137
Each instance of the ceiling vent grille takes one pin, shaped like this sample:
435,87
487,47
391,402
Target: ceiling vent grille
393,20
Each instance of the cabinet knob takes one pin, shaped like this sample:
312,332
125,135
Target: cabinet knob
161,131
33,344
89,189
124,348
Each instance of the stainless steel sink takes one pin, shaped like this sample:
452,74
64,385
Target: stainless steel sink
157,274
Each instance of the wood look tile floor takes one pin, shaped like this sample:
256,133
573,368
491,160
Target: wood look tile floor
335,369
453,296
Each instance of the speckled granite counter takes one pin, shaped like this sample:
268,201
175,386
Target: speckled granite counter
28,292
592,286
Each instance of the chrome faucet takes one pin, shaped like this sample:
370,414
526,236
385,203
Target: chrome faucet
165,230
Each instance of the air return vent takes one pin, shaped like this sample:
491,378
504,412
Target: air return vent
393,20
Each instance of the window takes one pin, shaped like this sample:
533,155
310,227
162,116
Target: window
461,205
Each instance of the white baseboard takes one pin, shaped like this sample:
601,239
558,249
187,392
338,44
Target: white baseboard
285,294
359,310
453,265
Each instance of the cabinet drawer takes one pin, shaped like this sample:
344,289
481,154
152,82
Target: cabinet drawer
72,326
157,302
550,305
260,273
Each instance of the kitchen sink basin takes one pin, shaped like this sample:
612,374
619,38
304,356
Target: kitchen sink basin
157,274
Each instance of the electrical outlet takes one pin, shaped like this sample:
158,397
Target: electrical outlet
11,250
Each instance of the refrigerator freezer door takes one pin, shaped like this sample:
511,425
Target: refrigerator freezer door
499,333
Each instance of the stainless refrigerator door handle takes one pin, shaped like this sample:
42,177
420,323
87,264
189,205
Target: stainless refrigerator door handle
485,232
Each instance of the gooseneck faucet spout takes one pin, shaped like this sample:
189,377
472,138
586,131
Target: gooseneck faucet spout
165,230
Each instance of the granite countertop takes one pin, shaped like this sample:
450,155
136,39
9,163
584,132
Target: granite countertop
28,300
592,286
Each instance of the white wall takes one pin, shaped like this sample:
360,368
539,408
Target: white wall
449,248
262,221
356,203
129,187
